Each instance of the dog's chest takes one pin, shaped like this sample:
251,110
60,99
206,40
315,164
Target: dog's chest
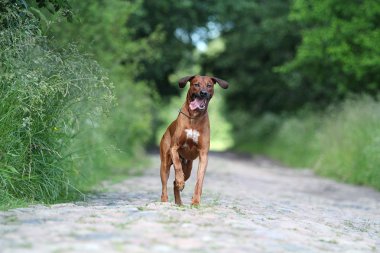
191,139
192,134
189,148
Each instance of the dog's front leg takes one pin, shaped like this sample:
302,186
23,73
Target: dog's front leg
203,157
179,182
179,176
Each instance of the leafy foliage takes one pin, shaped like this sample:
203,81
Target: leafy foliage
103,34
257,37
350,141
54,6
341,143
46,97
264,56
339,50
284,60
288,63
167,27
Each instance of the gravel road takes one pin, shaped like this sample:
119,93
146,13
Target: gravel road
247,206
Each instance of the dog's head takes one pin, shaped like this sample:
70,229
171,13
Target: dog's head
201,90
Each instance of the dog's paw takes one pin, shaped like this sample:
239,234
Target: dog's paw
164,198
180,184
178,203
195,202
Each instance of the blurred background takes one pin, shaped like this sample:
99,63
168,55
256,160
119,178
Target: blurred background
88,86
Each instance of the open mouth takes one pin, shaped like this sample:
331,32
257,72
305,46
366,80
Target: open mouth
198,103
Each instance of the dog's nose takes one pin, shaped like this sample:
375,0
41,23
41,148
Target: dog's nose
203,94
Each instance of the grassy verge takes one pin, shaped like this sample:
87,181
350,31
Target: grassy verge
350,143
47,96
64,126
342,143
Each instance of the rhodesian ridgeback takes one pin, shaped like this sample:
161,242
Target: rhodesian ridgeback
188,137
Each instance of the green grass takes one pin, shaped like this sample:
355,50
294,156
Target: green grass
8,201
342,143
48,96
296,142
64,127
350,137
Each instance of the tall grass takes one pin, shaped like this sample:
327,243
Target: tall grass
342,142
350,143
47,96
295,142
114,146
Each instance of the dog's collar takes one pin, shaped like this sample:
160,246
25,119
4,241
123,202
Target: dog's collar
180,111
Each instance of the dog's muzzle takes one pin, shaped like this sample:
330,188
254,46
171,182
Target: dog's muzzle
200,100
204,94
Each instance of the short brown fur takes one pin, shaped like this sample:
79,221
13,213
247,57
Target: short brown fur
176,148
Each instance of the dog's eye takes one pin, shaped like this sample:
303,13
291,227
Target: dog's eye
208,85
196,85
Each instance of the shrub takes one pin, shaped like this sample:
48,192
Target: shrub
46,97
343,142
295,142
114,145
350,143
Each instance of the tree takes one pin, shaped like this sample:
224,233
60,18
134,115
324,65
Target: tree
257,37
99,30
167,28
339,53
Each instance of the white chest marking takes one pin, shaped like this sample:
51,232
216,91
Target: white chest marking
192,134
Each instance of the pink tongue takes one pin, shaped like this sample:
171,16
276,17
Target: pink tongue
195,104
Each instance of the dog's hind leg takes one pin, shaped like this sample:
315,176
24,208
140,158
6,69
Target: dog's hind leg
187,166
177,194
164,172
166,162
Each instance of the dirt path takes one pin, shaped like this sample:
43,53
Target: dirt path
247,206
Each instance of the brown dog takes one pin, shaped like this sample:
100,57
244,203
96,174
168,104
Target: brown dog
188,137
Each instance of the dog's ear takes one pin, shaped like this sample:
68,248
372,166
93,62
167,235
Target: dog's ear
182,82
222,83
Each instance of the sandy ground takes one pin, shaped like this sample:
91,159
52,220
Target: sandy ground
247,206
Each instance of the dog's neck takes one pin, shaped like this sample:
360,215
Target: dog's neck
192,115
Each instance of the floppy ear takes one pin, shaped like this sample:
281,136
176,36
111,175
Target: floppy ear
182,82
222,83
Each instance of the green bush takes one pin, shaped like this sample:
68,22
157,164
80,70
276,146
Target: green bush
254,134
342,143
114,146
296,142
46,98
350,143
